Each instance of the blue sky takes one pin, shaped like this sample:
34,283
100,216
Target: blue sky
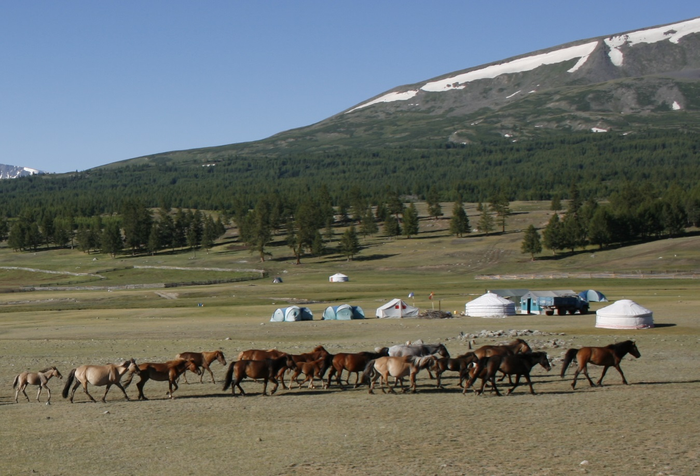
86,83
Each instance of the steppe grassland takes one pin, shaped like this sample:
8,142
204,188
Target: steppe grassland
645,428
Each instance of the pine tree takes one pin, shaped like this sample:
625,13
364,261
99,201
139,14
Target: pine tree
459,223
486,224
553,234
531,242
433,202
391,226
410,221
349,243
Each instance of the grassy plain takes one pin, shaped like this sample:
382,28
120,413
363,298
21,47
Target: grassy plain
648,427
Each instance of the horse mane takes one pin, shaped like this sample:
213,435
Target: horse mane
47,369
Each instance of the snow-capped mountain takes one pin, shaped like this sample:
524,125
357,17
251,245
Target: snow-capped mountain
14,171
641,80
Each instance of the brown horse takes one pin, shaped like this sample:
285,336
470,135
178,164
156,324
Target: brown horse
203,360
458,364
40,378
353,363
100,376
518,346
515,364
315,368
609,356
160,372
257,354
256,369
318,353
397,367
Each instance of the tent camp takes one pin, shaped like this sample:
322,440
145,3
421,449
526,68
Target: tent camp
593,296
624,314
292,313
338,278
397,308
344,312
490,305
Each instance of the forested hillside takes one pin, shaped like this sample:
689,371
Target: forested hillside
538,169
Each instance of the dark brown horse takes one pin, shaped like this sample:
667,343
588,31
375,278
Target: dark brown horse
515,364
353,363
202,360
266,370
257,354
608,356
160,372
518,346
457,364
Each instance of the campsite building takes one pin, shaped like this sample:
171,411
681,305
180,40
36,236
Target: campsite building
490,305
344,312
397,308
624,314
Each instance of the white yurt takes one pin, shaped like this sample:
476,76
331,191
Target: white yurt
338,278
397,308
490,305
624,314
291,314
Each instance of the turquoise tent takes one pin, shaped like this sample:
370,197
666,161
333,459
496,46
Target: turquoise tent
344,312
593,296
292,313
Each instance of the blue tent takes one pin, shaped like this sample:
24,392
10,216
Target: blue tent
292,313
344,312
593,296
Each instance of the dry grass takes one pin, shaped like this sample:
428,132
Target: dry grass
648,427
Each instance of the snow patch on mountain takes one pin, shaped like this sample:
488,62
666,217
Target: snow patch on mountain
14,171
672,33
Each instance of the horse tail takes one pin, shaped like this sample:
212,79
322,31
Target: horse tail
568,357
368,372
16,381
229,376
69,382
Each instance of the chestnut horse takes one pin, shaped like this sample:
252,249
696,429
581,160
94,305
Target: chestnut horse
40,378
518,346
100,376
397,367
256,369
609,356
315,368
203,360
514,364
160,372
458,364
318,353
353,363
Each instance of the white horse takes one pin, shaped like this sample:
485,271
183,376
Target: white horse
40,378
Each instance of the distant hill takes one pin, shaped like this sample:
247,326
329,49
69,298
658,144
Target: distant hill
14,171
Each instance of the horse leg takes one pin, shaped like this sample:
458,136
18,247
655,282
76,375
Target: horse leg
24,392
38,393
585,372
140,386
517,382
85,385
75,387
265,387
624,380
184,377
48,390
119,386
527,377
104,397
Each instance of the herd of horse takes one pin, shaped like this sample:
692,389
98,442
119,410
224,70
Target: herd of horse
513,360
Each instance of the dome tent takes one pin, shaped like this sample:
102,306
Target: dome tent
397,308
344,312
292,313
624,314
490,305
338,278
592,295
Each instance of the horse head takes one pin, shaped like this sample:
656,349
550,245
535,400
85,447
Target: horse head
192,367
220,357
56,373
633,349
132,367
543,359
442,351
